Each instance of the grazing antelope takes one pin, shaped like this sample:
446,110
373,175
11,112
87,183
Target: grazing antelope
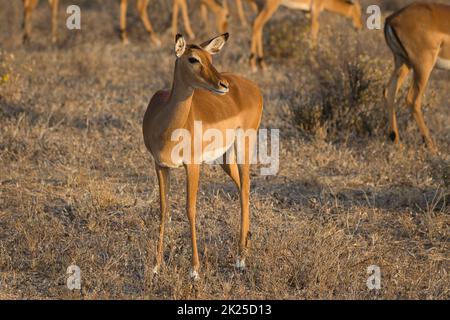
28,7
419,37
219,101
267,8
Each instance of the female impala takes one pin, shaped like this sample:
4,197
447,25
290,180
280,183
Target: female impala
219,101
419,38
347,8
28,7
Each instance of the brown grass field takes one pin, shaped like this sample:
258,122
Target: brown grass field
77,185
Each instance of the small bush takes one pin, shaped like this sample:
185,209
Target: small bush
347,102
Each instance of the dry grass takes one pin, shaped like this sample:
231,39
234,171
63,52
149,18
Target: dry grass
78,187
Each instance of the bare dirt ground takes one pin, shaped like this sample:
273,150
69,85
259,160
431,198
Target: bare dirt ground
77,185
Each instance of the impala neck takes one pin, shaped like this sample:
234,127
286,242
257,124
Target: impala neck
179,104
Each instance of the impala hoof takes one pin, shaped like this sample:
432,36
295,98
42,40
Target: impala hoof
194,275
240,264
393,136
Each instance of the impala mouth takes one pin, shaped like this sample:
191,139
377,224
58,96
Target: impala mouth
220,92
221,88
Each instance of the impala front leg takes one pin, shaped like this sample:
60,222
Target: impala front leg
164,181
316,10
186,20
54,4
421,76
241,13
398,76
204,15
192,180
244,177
123,21
28,7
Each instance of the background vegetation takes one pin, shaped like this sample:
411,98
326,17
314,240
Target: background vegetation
77,185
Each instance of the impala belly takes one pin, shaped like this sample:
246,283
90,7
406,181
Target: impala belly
443,60
215,153
169,163
207,151
442,63
304,5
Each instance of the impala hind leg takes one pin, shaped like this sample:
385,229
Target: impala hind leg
230,166
142,6
399,74
420,80
257,53
192,180
163,181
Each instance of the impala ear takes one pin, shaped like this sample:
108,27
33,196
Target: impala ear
216,44
180,45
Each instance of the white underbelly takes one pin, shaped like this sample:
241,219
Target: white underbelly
208,154
297,5
442,63
211,154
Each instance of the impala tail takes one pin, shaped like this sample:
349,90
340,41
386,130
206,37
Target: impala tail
393,40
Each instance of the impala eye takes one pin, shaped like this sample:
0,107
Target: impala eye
193,60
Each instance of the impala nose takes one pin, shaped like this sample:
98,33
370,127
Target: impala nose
223,84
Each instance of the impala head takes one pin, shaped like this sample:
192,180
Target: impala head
194,64
356,13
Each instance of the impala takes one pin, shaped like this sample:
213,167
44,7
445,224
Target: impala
28,7
347,8
219,101
419,38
